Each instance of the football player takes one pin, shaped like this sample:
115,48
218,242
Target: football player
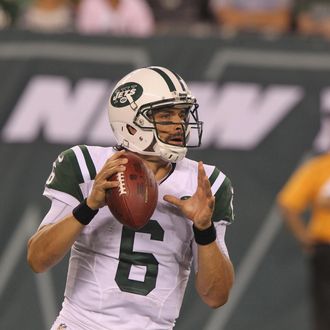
124,279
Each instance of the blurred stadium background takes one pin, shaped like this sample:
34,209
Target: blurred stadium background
266,105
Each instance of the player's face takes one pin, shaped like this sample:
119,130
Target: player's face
171,124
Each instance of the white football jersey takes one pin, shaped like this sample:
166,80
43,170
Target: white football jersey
124,279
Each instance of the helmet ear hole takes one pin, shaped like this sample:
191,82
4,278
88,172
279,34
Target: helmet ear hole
131,129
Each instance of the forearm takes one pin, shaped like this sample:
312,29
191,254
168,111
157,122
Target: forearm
215,275
51,243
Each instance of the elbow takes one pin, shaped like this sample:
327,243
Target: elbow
35,259
283,208
220,302
216,302
286,212
215,297
35,265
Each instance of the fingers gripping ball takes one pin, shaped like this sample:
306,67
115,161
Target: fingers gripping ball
135,200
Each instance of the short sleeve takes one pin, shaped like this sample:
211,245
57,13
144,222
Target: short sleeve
65,177
223,191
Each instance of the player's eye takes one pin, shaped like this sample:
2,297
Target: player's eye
161,116
184,115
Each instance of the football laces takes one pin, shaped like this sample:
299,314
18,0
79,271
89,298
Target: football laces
122,187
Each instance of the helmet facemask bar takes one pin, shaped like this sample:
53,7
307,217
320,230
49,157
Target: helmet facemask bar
197,126
179,136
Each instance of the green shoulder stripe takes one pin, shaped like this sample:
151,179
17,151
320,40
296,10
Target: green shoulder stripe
214,175
224,202
66,175
89,162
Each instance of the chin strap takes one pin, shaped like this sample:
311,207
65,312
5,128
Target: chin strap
172,153
167,152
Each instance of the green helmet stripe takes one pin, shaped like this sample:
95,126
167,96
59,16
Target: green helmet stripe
180,81
89,161
167,79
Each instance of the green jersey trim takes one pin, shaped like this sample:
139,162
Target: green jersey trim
214,175
66,175
89,162
222,189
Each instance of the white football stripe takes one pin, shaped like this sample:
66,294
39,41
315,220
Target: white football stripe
218,182
82,163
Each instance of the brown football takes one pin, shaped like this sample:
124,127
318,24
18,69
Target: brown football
135,200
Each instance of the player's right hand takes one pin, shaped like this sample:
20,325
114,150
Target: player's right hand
113,165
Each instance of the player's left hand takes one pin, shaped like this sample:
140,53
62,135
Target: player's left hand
199,207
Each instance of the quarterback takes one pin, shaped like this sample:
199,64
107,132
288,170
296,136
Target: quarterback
120,279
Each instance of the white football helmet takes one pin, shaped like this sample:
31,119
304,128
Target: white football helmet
133,102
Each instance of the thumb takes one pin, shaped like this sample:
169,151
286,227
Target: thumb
172,200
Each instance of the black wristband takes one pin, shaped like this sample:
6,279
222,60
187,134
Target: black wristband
206,236
83,213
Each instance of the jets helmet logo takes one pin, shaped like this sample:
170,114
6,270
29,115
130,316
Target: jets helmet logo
126,94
